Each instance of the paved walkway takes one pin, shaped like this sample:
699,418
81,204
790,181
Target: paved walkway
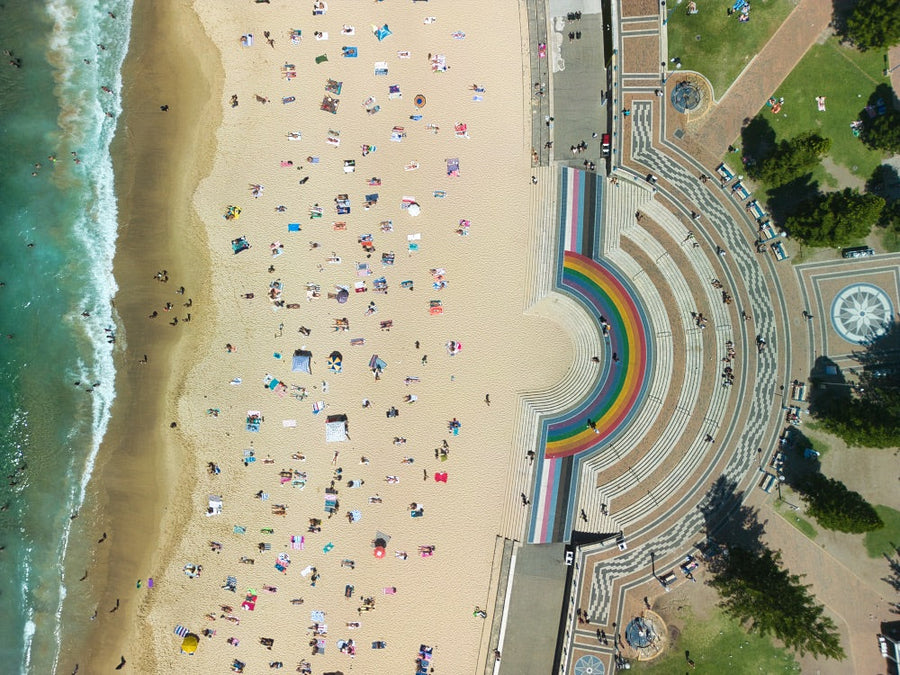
695,447
759,80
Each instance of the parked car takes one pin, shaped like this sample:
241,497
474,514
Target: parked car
605,145
857,252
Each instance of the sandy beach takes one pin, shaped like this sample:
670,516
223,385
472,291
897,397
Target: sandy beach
412,301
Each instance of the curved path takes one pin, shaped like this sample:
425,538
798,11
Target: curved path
684,427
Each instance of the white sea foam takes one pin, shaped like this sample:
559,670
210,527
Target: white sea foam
79,27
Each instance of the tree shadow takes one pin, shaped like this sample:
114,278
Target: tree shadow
800,460
782,202
893,578
885,182
881,353
757,139
830,392
727,520
880,103
841,10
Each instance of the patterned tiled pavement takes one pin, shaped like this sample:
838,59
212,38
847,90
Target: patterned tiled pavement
662,478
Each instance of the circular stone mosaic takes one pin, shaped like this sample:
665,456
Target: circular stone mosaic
589,665
861,312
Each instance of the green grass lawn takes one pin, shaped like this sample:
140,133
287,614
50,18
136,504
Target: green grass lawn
720,645
887,539
794,517
846,77
725,45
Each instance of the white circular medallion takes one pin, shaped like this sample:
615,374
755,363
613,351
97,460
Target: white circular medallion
861,313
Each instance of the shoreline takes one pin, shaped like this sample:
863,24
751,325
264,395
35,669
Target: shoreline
140,462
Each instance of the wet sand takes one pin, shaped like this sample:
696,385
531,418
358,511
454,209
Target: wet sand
138,466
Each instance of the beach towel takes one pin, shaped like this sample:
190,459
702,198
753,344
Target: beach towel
289,424
181,631
298,542
293,227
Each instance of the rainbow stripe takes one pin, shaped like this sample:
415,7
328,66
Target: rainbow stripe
616,393
569,439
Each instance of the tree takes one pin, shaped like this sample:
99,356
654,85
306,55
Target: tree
883,131
837,508
870,416
759,593
790,159
885,182
835,218
874,24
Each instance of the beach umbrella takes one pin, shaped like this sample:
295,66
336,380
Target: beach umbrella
419,100
379,552
334,361
342,295
189,644
414,209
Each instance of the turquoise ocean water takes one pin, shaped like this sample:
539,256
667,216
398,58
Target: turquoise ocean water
53,105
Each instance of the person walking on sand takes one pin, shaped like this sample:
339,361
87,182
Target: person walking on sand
487,400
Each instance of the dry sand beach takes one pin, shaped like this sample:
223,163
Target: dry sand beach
242,409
